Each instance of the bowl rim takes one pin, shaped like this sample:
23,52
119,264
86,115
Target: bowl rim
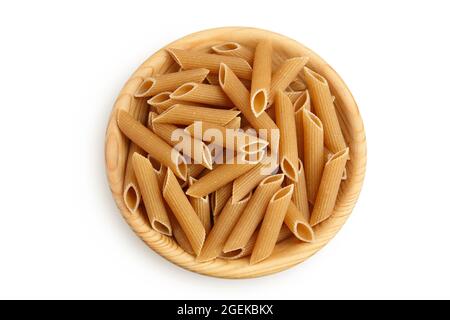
289,252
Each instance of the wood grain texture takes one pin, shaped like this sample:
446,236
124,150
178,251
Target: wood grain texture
289,252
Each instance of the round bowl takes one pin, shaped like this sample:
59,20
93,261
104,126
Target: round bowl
289,252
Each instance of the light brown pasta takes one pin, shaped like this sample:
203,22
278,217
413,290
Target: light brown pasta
324,108
152,144
221,229
169,81
194,170
297,85
234,49
297,223
262,74
220,197
271,225
240,96
181,114
214,79
284,114
302,102
234,124
151,193
294,95
253,213
285,74
313,149
202,93
300,195
329,187
179,234
183,211
202,208
162,101
193,59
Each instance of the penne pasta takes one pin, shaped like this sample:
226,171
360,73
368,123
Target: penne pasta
294,95
220,197
234,124
194,170
202,93
300,195
193,60
285,74
297,223
254,213
271,225
329,187
151,194
261,78
240,96
160,170
314,153
234,49
214,79
152,144
284,115
184,213
302,102
297,85
202,208
324,107
179,235
162,101
169,82
181,114
221,229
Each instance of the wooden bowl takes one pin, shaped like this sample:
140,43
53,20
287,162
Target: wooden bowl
289,252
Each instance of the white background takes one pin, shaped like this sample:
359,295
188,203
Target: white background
61,66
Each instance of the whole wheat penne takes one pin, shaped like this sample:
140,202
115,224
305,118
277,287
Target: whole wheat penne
219,177
180,114
248,248
193,59
250,180
262,74
162,101
234,49
234,124
194,170
202,208
151,193
214,79
313,149
302,102
329,187
169,81
183,211
325,110
220,197
195,150
179,235
253,213
300,195
240,96
297,223
285,74
271,225
152,144
285,120
202,93
221,230
159,169
294,95
297,85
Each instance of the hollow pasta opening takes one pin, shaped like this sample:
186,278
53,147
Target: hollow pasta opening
317,76
185,88
222,74
289,169
304,232
160,98
231,254
300,102
282,193
145,86
272,179
228,46
259,102
131,198
314,119
161,228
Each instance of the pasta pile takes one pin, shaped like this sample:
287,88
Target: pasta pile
248,191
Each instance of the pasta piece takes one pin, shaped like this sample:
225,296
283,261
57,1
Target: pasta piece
202,93
240,96
262,74
313,149
325,110
151,193
183,211
179,235
294,95
181,114
297,223
219,177
300,195
271,225
234,124
248,248
160,170
250,180
254,213
193,59
194,149
302,102
285,74
221,229
169,81
284,114
220,197
214,79
297,85
329,187
152,144
202,208
162,101
194,170
234,49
